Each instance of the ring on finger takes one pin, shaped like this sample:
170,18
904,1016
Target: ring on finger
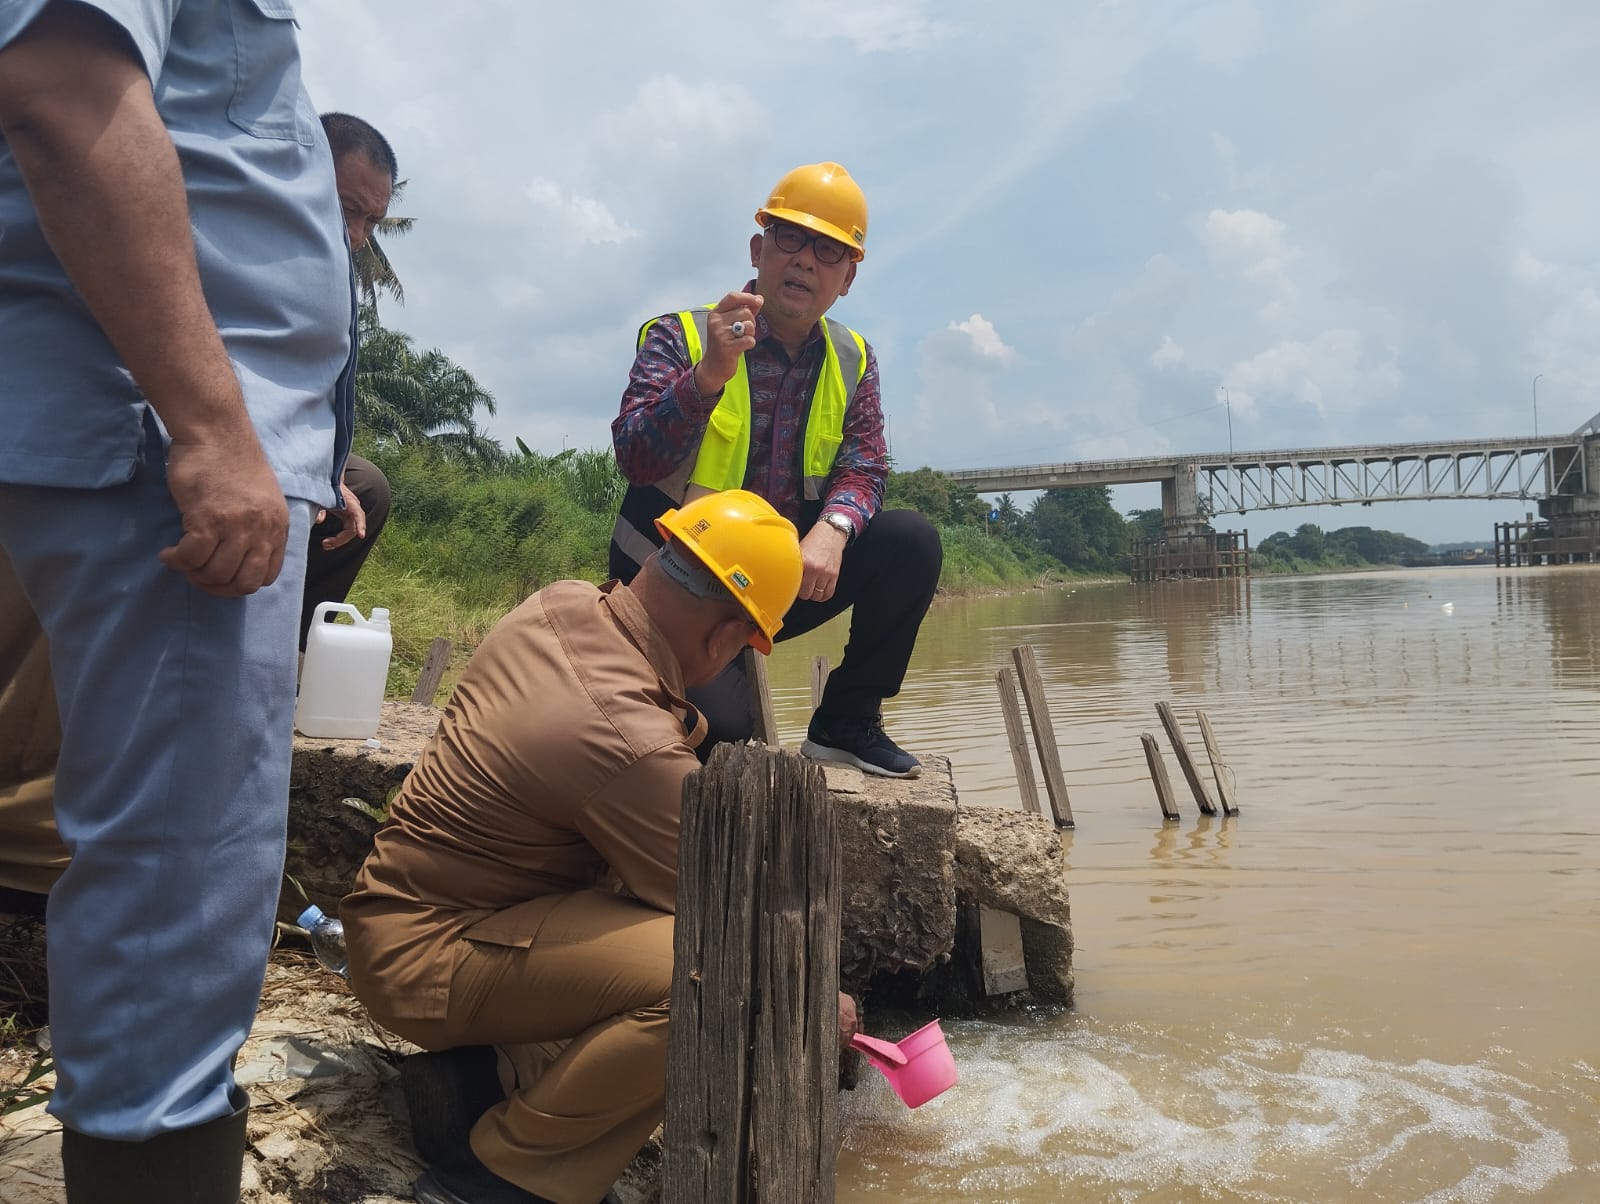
738,329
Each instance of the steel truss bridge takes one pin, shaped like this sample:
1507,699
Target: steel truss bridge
1562,472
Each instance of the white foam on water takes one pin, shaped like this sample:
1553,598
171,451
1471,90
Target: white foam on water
1113,1115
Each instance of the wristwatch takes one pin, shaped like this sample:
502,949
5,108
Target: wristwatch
840,523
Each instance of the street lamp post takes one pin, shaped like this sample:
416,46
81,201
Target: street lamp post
1536,405
1227,406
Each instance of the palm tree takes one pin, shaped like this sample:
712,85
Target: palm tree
409,399
374,272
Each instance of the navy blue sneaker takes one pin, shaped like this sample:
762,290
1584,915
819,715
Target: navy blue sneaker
861,743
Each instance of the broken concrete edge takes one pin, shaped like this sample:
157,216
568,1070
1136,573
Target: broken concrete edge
911,853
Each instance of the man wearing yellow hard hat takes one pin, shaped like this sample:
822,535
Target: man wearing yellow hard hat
522,892
763,391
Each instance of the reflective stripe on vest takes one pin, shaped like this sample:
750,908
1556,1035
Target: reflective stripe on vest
724,452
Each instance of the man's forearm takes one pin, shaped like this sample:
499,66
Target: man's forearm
77,112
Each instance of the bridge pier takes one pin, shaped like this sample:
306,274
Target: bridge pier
1180,502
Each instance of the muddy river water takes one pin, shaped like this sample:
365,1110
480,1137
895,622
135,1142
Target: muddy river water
1379,982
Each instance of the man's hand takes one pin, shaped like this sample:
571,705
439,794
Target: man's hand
821,553
723,346
849,1020
352,516
235,521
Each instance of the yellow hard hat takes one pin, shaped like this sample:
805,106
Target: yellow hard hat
749,547
821,197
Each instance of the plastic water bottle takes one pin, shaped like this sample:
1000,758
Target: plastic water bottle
346,670
327,939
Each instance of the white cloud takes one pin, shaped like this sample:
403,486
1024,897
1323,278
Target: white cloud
1238,178
567,218
1222,34
1168,355
884,26
1248,244
1335,373
672,119
985,339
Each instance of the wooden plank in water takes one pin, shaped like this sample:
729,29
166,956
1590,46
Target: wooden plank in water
1219,768
755,672
1158,775
1044,733
753,1048
1180,749
1017,738
433,667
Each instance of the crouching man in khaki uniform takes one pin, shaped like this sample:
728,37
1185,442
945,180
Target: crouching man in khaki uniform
522,894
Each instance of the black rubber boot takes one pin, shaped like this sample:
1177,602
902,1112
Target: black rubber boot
189,1166
446,1091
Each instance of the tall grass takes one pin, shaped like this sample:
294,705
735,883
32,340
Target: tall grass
466,544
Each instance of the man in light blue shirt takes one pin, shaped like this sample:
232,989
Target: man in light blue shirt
174,352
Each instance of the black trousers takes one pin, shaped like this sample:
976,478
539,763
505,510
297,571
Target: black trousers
329,575
887,579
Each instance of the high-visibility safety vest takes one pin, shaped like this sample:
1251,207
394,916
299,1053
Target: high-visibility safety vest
723,455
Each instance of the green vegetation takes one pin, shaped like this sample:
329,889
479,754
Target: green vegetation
1312,550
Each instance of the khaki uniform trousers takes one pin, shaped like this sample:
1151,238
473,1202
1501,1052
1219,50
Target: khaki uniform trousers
573,989
31,854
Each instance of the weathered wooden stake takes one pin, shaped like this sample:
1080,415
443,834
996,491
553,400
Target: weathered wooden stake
1006,680
433,667
819,679
1218,767
1158,775
1044,733
755,672
753,1048
1180,749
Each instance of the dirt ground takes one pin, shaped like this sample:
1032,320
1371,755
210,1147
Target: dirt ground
327,1124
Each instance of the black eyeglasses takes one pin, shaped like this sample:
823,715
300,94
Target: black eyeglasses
792,239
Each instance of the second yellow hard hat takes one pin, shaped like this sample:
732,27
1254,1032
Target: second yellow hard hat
750,548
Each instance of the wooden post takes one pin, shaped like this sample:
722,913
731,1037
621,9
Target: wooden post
753,1048
1218,768
1158,775
755,672
1185,762
819,679
1044,733
1018,739
433,667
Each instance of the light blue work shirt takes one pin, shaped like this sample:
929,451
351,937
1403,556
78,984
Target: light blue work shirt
268,234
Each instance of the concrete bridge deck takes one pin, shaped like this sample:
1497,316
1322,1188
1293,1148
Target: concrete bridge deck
1199,484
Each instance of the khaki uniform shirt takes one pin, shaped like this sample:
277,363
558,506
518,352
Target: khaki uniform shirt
561,757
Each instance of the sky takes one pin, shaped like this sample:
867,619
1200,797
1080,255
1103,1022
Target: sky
1358,221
